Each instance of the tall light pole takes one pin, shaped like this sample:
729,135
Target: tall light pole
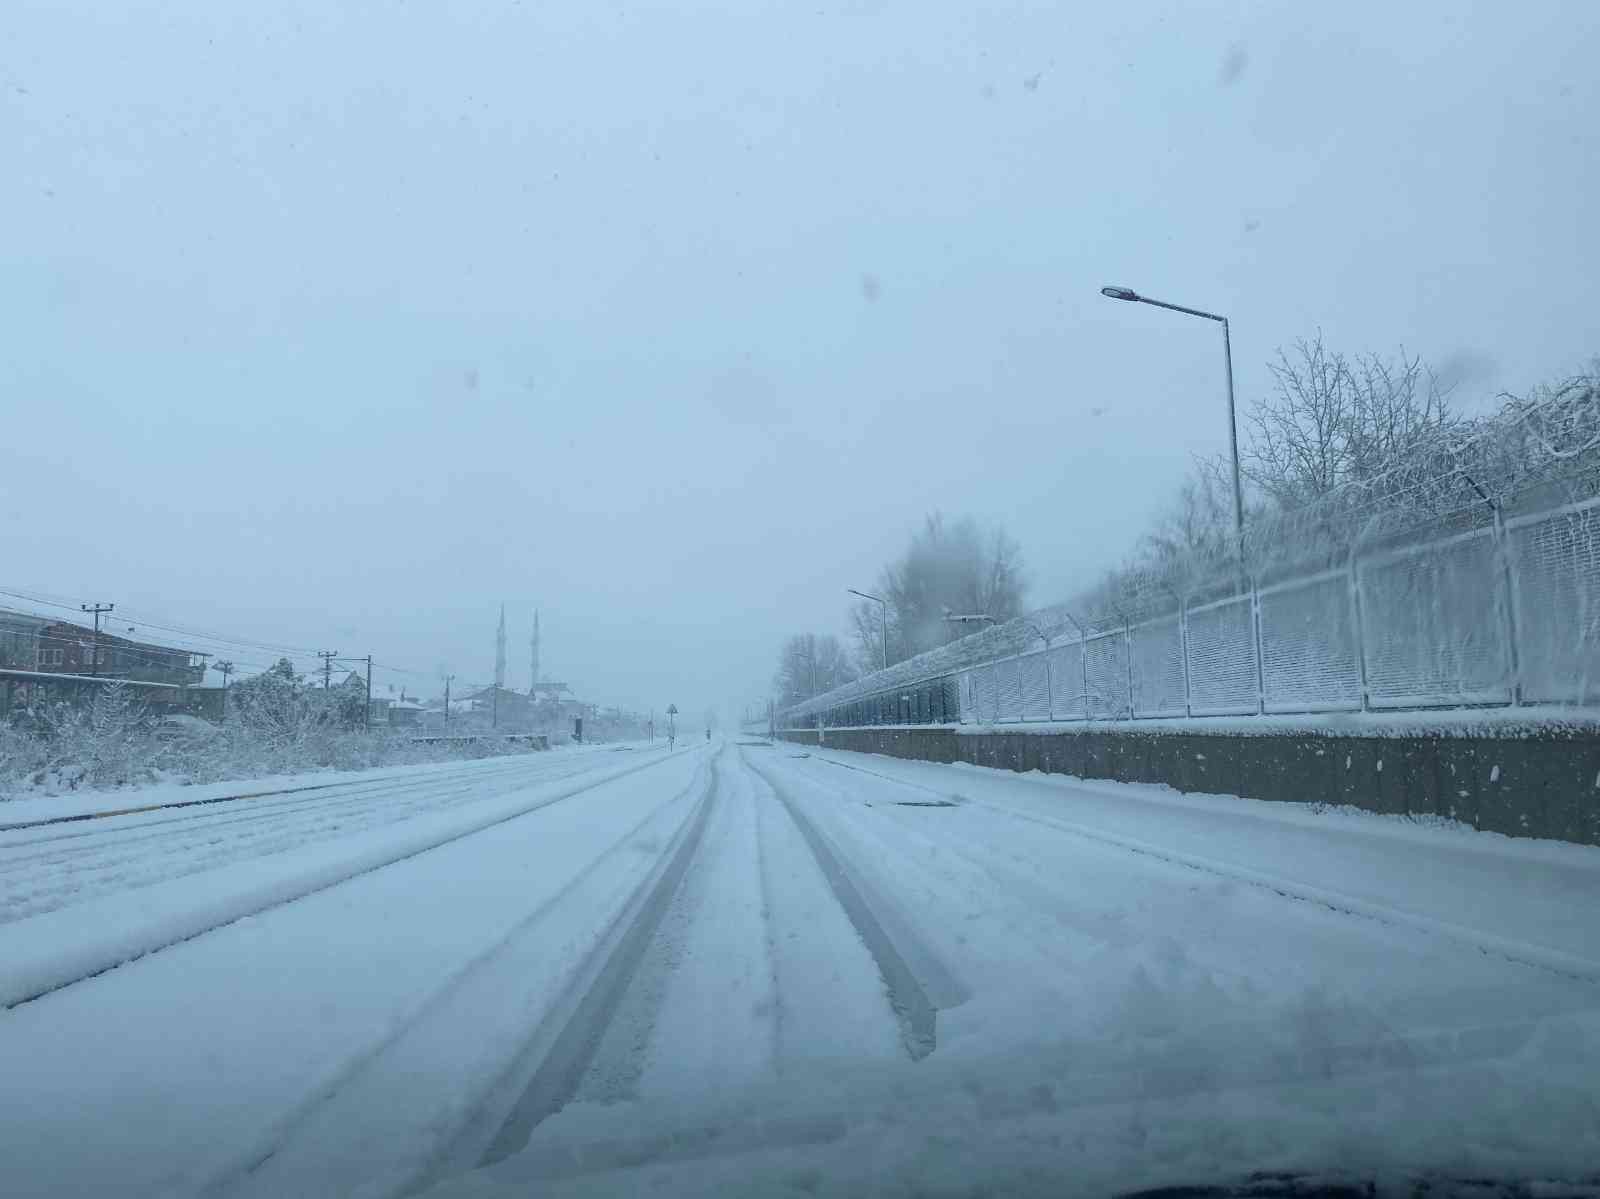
1124,293
883,613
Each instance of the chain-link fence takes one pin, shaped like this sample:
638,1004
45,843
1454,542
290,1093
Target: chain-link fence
1504,614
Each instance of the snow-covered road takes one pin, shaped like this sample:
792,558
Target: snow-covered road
749,968
48,864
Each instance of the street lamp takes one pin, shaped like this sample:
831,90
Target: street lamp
985,618
1125,293
883,612
969,618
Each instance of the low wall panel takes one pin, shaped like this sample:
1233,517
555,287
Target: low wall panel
1524,785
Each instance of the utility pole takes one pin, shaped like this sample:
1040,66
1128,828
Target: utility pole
224,669
500,652
366,719
97,609
327,656
448,679
533,661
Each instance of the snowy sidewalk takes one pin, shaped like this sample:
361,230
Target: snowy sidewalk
1516,893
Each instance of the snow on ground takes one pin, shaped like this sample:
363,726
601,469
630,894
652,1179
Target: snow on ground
1535,895
47,867
31,808
710,973
187,1069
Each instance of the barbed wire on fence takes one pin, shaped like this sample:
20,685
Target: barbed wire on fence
1503,608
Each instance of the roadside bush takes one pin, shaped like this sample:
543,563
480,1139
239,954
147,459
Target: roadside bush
113,743
276,724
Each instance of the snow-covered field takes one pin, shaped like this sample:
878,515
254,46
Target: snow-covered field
753,969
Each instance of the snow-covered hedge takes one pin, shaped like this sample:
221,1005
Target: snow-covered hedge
116,742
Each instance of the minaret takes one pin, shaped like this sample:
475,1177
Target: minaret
533,652
500,652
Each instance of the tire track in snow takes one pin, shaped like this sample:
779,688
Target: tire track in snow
764,873
699,1011
686,938
913,1008
555,1066
47,880
34,972
245,1171
248,831
566,1047
355,791
831,1001
113,813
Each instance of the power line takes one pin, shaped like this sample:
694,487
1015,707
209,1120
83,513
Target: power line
295,653
144,655
298,656
225,639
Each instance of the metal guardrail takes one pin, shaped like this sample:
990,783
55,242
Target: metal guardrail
1501,615
537,740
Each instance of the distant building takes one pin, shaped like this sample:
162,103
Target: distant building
405,713
392,706
496,707
48,661
66,648
19,639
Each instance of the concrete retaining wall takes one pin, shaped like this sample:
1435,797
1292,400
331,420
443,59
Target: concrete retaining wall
1538,785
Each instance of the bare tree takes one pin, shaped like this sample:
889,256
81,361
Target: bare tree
871,642
1350,449
1553,432
1334,421
950,566
1193,537
809,665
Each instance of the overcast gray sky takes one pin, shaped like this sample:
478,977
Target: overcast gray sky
339,322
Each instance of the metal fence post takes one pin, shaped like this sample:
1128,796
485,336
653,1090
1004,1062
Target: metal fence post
1507,584
1083,672
1261,670
1127,655
1183,643
1360,633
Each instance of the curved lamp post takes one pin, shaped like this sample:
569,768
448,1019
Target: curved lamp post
1128,294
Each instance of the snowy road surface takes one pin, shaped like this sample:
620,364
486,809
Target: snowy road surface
750,969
